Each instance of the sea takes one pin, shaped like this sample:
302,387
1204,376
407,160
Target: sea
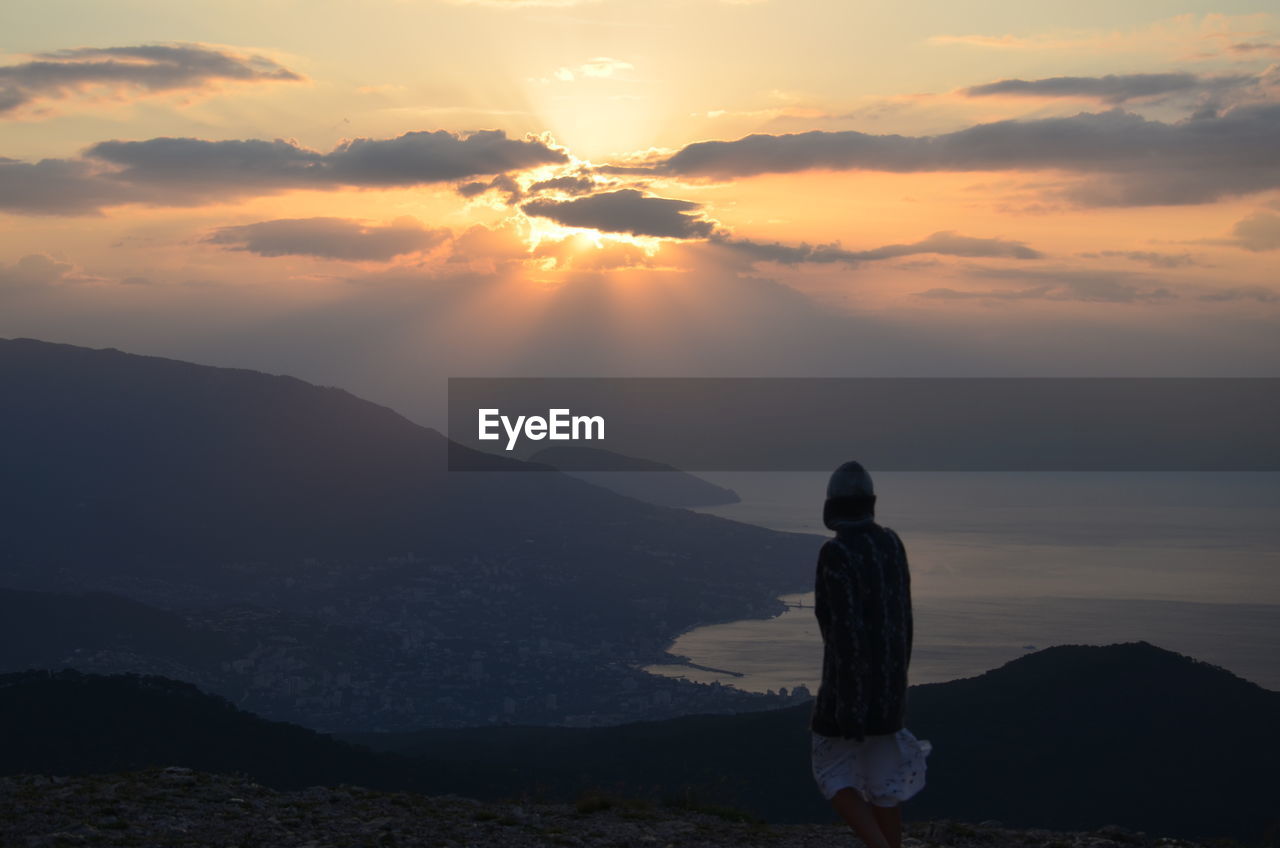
1005,563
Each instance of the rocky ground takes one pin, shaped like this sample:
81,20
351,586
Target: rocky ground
179,807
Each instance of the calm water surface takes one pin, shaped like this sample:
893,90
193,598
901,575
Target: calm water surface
1004,563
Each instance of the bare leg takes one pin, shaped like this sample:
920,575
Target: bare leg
890,821
860,816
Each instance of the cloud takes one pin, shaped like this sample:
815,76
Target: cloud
1145,162
624,323
330,238
601,67
580,252
414,158
32,271
59,187
597,68
944,242
1154,259
953,244
1255,48
474,189
1259,232
190,171
1112,88
1258,293
568,185
626,210
1063,285
144,68
1185,36
502,182
492,247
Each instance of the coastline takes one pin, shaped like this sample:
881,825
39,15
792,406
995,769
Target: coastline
676,665
959,637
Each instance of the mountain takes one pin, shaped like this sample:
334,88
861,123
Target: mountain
365,585
1070,737
71,723
138,461
49,629
642,479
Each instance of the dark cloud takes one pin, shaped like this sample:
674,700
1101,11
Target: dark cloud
414,158
502,182
59,187
947,293
147,68
427,157
1112,88
330,238
191,171
1259,232
1152,258
474,189
945,242
786,254
1255,47
1064,285
626,211
952,244
1258,293
1142,162
568,185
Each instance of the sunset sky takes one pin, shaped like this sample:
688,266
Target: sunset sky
384,193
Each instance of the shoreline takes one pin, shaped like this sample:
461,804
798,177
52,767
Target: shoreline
669,659
680,660
746,657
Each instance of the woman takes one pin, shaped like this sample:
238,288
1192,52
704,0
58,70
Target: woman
865,761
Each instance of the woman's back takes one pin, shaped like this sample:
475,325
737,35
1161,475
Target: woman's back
863,605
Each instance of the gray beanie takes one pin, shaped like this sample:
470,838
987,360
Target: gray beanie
851,498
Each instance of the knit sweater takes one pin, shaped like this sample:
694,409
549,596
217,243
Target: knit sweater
863,605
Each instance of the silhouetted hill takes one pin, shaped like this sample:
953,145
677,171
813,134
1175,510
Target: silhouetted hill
72,723
643,479
469,597
49,629
1068,737
126,460
1071,737
1132,733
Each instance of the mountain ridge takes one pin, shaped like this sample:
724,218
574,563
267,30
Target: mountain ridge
204,491
989,761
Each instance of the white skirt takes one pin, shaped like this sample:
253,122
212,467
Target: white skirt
885,770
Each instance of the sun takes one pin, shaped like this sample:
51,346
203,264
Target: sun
579,239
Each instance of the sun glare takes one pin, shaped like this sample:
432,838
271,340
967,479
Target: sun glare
580,239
